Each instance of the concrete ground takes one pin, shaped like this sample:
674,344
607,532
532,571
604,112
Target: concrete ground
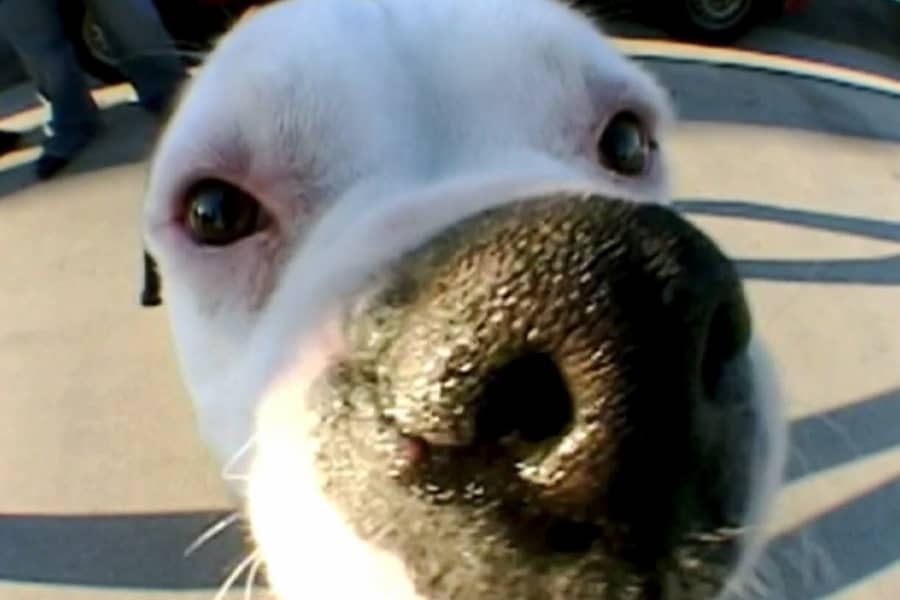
105,482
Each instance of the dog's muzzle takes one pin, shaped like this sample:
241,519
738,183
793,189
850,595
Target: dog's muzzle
577,363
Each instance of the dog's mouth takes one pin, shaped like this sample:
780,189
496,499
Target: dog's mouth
550,400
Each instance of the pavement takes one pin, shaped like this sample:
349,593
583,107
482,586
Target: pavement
106,483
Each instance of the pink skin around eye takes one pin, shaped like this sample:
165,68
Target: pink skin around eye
281,191
281,188
413,450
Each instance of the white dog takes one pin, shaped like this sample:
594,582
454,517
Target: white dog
422,287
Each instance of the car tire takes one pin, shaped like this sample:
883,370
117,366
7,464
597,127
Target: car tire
91,51
716,21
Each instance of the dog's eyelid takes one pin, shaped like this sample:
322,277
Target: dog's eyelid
612,97
645,112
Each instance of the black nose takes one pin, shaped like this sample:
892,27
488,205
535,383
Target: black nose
584,341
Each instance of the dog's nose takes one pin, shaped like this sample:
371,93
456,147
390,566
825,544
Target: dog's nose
574,345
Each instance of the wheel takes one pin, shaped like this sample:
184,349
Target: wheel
718,21
89,43
101,61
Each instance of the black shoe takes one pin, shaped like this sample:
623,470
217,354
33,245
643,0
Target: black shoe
49,165
9,141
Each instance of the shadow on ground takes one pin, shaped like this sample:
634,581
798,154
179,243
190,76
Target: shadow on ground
747,96
882,270
858,538
128,136
147,550
134,550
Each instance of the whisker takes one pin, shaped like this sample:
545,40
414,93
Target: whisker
753,586
797,567
718,535
756,586
236,573
841,432
211,532
765,581
251,577
227,473
797,452
817,564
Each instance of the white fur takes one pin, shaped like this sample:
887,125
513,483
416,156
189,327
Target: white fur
772,452
364,127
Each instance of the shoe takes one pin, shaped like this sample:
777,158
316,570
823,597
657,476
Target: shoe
52,161
9,141
49,165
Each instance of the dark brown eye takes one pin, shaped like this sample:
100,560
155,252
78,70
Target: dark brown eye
624,146
219,213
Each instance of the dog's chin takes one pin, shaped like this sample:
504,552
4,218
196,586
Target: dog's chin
347,505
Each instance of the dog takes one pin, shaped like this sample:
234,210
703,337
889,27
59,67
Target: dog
430,303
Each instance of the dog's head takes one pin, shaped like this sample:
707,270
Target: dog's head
422,280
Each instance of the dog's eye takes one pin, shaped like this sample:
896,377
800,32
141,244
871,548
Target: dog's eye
218,213
624,145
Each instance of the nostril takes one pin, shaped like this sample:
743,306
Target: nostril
571,537
727,335
528,397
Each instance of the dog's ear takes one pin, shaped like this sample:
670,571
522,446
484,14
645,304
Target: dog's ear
151,290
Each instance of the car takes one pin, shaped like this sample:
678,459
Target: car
711,21
193,24
721,21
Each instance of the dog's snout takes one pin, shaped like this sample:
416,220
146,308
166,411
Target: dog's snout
574,341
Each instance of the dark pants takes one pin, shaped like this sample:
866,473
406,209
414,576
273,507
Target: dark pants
148,59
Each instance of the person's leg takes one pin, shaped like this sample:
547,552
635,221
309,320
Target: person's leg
9,141
149,57
35,31
150,61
